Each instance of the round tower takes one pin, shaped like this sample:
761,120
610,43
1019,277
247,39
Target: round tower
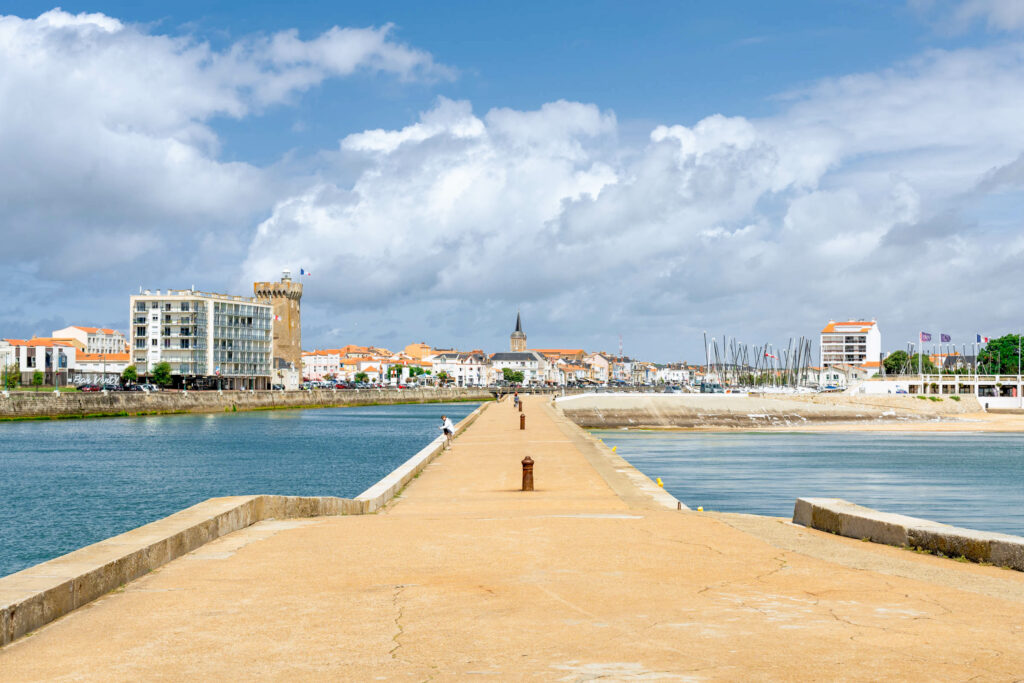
285,296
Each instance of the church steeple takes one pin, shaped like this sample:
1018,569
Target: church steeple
517,342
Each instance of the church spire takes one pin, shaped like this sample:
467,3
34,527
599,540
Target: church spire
517,341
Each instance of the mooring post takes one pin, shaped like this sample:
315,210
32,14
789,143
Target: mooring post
527,473
520,405
522,421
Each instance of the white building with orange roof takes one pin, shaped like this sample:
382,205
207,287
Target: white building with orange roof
55,358
94,339
467,369
853,342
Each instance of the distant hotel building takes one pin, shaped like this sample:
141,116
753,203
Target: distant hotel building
856,343
209,340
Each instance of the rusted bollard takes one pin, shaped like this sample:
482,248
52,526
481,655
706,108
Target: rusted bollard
520,405
527,473
522,421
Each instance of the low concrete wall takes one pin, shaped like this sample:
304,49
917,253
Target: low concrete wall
27,405
967,403
847,519
378,495
695,411
36,596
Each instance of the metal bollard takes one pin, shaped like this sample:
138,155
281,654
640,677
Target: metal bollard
527,473
522,421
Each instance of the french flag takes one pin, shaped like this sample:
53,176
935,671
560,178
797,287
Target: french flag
982,340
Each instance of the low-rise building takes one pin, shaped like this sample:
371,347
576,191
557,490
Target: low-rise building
54,358
532,364
466,369
98,340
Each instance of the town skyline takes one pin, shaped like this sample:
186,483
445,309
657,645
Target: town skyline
726,184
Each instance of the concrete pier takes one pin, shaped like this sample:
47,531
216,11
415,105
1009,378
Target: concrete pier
593,574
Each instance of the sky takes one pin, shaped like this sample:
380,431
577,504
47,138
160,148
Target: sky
643,171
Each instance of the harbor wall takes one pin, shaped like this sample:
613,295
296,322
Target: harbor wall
843,518
40,405
716,411
37,595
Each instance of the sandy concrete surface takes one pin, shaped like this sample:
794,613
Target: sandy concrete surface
466,577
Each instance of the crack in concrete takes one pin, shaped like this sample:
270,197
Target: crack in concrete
399,629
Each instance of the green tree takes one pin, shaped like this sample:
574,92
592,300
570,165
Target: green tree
416,372
510,375
1000,355
900,363
896,363
162,374
130,375
362,377
443,377
11,376
37,379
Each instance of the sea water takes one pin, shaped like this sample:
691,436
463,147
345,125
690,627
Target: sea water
971,480
68,483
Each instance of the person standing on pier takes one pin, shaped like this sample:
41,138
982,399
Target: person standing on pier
447,428
515,400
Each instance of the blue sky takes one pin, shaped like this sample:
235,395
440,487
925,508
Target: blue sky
649,62
645,169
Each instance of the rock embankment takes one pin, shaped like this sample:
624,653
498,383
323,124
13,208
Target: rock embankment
716,411
25,405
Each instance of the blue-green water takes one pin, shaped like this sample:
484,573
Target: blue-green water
970,480
66,484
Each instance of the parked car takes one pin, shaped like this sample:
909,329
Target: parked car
149,387
90,387
133,387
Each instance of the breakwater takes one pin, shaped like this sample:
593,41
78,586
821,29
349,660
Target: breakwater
33,405
37,595
719,411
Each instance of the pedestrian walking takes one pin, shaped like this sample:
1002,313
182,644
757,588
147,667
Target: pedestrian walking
515,400
448,429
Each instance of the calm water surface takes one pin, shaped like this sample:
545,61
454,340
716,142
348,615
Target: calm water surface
69,483
971,480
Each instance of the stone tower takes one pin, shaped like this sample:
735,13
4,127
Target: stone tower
517,342
285,296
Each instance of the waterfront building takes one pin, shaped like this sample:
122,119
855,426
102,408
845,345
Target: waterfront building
854,342
55,358
210,340
600,362
467,369
517,340
98,340
99,368
532,364
285,298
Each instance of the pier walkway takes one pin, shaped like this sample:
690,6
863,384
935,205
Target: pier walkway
464,576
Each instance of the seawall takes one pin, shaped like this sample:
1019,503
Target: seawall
32,405
718,411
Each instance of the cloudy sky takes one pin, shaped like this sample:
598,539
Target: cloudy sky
745,168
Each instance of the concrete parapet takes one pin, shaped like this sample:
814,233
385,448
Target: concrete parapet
38,595
378,495
840,517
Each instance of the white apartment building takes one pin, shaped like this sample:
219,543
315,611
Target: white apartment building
98,340
854,342
209,340
466,369
533,365
54,358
